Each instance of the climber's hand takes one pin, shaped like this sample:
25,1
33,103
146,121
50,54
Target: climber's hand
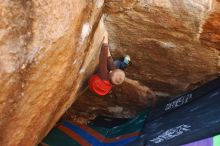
105,37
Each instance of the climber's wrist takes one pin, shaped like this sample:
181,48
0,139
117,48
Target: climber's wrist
105,37
105,45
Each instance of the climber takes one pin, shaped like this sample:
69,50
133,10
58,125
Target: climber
109,72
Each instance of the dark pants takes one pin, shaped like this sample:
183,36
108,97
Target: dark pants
120,64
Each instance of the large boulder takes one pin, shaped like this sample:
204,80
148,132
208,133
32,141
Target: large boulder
173,44
47,49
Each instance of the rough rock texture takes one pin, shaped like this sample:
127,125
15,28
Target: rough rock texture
46,48
174,46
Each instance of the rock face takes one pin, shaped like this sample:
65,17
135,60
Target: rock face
173,44
174,47
47,49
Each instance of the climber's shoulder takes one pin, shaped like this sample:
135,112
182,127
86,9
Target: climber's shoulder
99,86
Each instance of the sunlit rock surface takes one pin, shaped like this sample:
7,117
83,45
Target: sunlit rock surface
173,44
47,49
174,47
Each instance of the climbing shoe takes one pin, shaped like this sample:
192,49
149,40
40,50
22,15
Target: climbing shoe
127,59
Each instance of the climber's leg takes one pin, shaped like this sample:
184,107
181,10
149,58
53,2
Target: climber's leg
122,64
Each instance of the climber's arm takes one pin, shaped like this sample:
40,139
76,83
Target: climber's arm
110,62
103,57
